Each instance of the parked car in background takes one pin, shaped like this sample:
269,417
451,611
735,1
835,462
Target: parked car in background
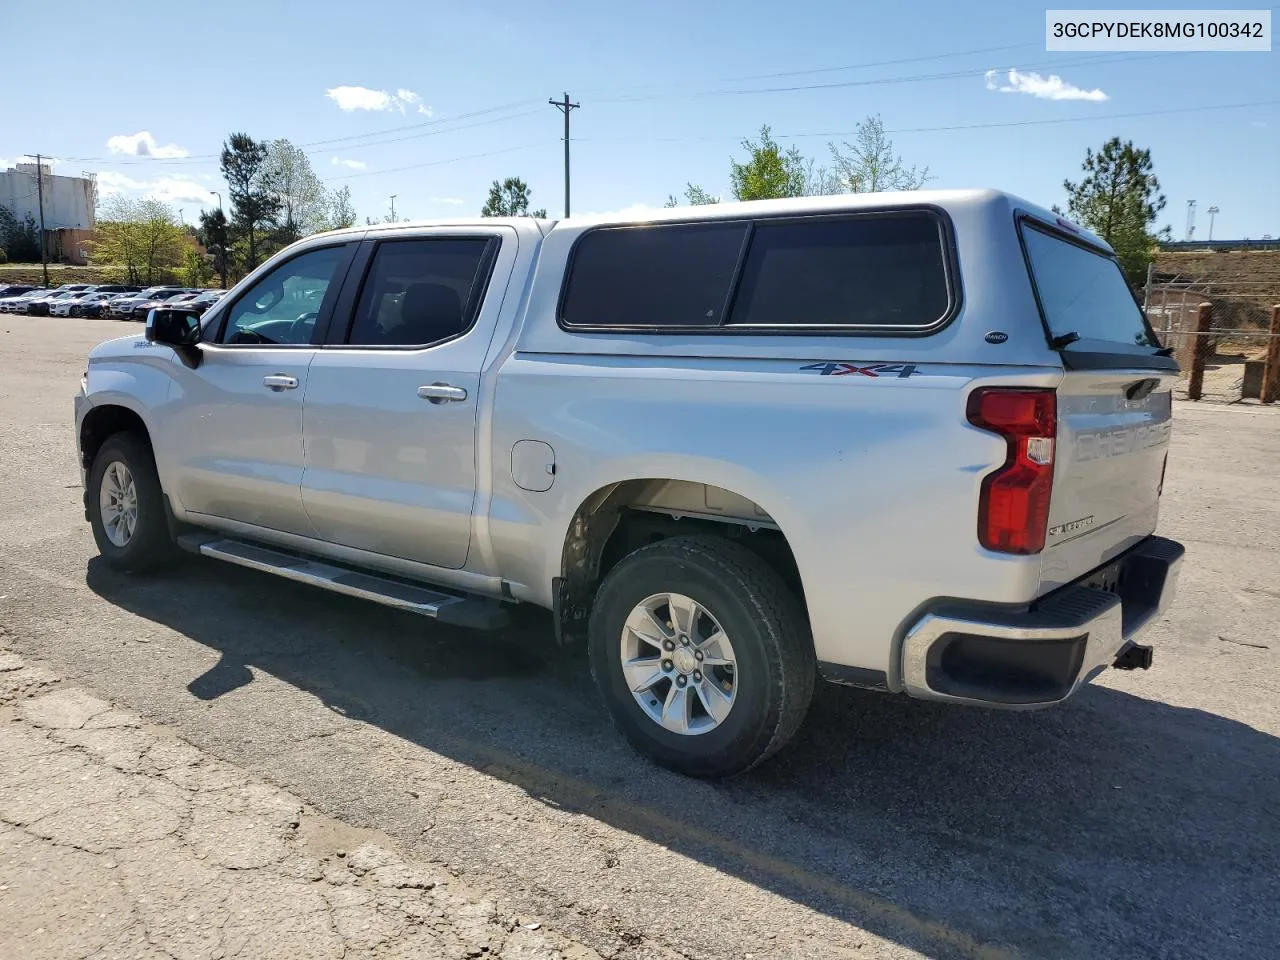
116,288
39,307
85,305
206,300
18,304
139,310
123,307
15,289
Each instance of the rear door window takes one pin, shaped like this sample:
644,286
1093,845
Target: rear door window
423,291
870,271
665,276
1083,294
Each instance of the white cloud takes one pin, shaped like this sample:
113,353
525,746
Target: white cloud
143,144
452,201
1260,124
407,98
362,98
351,164
174,189
1045,88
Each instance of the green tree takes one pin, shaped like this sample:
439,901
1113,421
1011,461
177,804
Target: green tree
1119,198
694,196
253,205
19,238
510,198
163,239
214,233
143,236
768,172
118,237
195,266
870,163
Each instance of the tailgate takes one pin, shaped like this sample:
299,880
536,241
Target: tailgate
1114,403
1113,438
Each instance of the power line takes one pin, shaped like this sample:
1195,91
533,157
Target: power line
434,163
882,63
350,139
428,133
959,126
877,81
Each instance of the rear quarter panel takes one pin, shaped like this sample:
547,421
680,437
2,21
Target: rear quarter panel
873,480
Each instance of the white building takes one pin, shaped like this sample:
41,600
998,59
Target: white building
69,204
68,201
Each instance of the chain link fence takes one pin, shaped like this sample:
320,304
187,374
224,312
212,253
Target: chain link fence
1233,340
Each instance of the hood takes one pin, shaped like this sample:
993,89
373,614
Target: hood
120,347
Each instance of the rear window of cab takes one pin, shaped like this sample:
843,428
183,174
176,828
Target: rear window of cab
888,271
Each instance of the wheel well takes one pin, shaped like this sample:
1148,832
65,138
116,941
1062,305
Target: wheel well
101,423
619,519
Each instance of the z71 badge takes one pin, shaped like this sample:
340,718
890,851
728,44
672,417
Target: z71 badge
834,369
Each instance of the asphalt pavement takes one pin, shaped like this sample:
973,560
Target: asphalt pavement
1138,820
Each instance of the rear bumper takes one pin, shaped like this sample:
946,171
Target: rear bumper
1038,655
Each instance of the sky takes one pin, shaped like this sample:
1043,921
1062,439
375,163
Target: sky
431,102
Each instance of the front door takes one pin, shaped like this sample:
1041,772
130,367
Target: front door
390,414
234,423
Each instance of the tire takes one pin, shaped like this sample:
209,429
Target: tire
772,679
148,542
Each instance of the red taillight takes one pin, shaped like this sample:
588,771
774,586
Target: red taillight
1013,511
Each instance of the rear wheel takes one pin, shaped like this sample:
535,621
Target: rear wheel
703,655
126,506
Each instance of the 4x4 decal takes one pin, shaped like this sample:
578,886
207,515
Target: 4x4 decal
836,369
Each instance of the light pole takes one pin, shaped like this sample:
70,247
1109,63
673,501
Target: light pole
1212,212
393,207
222,245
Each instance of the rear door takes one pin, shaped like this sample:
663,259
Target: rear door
391,403
1114,405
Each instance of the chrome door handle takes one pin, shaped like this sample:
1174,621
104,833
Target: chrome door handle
278,382
442,393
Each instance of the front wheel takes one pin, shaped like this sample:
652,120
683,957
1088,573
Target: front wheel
703,655
126,505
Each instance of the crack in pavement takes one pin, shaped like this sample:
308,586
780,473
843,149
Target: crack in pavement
190,858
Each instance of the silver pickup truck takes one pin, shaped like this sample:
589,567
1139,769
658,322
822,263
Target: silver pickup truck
908,442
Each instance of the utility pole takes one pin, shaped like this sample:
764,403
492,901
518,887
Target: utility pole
393,207
565,107
1213,212
44,256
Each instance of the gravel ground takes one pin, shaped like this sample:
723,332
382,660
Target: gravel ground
1136,820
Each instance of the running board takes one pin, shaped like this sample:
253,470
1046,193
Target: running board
462,611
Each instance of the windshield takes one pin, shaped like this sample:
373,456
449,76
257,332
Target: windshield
1083,292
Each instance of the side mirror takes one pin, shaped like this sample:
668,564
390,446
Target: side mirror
176,328
173,327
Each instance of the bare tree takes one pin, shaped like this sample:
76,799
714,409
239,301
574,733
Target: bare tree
870,163
287,174
341,212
